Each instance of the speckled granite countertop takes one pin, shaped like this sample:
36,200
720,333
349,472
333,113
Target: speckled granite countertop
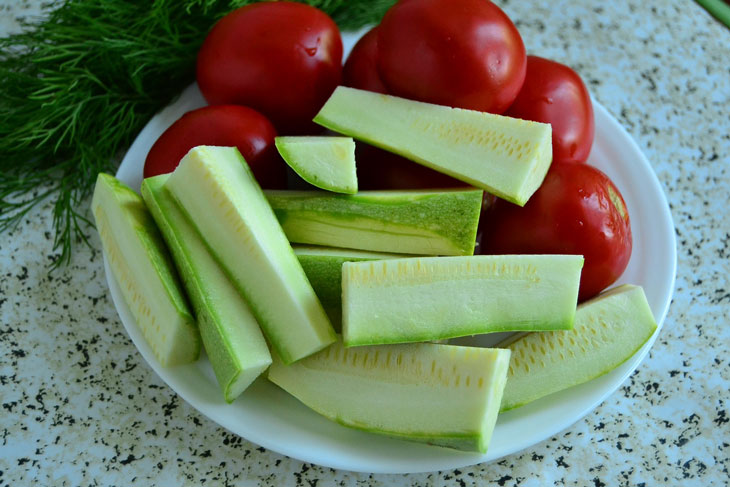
81,407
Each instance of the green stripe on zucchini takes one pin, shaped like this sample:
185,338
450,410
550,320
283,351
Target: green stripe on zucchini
231,336
217,191
407,222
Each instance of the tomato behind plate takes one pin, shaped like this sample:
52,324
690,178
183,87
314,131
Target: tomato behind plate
460,53
553,93
283,59
577,210
223,125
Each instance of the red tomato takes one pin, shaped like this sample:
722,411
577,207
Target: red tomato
555,94
361,69
461,53
283,59
223,125
577,210
379,169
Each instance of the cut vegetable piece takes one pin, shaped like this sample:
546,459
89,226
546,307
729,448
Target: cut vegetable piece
430,298
439,394
231,336
323,266
608,330
142,267
406,222
506,156
325,162
216,189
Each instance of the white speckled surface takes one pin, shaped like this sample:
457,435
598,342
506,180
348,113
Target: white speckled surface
81,407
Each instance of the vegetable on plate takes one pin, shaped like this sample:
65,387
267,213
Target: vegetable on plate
555,94
428,222
324,162
439,394
428,85
141,265
505,156
361,67
608,330
323,266
430,298
217,191
459,53
577,210
231,335
222,125
281,58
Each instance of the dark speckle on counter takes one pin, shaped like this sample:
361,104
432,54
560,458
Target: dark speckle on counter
80,406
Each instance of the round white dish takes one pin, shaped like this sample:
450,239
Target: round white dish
269,417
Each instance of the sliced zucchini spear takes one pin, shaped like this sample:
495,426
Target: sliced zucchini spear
217,191
439,394
140,263
231,336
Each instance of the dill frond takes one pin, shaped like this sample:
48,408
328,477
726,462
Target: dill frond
79,85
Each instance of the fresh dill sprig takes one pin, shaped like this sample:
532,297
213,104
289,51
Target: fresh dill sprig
77,86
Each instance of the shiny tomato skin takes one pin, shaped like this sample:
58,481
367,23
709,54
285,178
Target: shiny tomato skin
459,53
361,67
222,125
283,59
553,93
577,210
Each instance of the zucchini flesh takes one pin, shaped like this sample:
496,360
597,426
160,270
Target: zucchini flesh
506,156
323,266
139,261
608,330
438,394
431,298
217,191
325,162
407,222
231,336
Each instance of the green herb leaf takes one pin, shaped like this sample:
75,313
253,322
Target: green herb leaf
78,86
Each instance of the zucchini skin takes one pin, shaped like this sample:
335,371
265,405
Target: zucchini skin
422,222
218,193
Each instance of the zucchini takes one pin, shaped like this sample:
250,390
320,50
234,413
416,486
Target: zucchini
443,395
323,266
431,298
142,267
506,156
406,222
325,162
231,336
608,330
217,191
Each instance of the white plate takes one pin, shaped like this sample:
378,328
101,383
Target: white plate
269,417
